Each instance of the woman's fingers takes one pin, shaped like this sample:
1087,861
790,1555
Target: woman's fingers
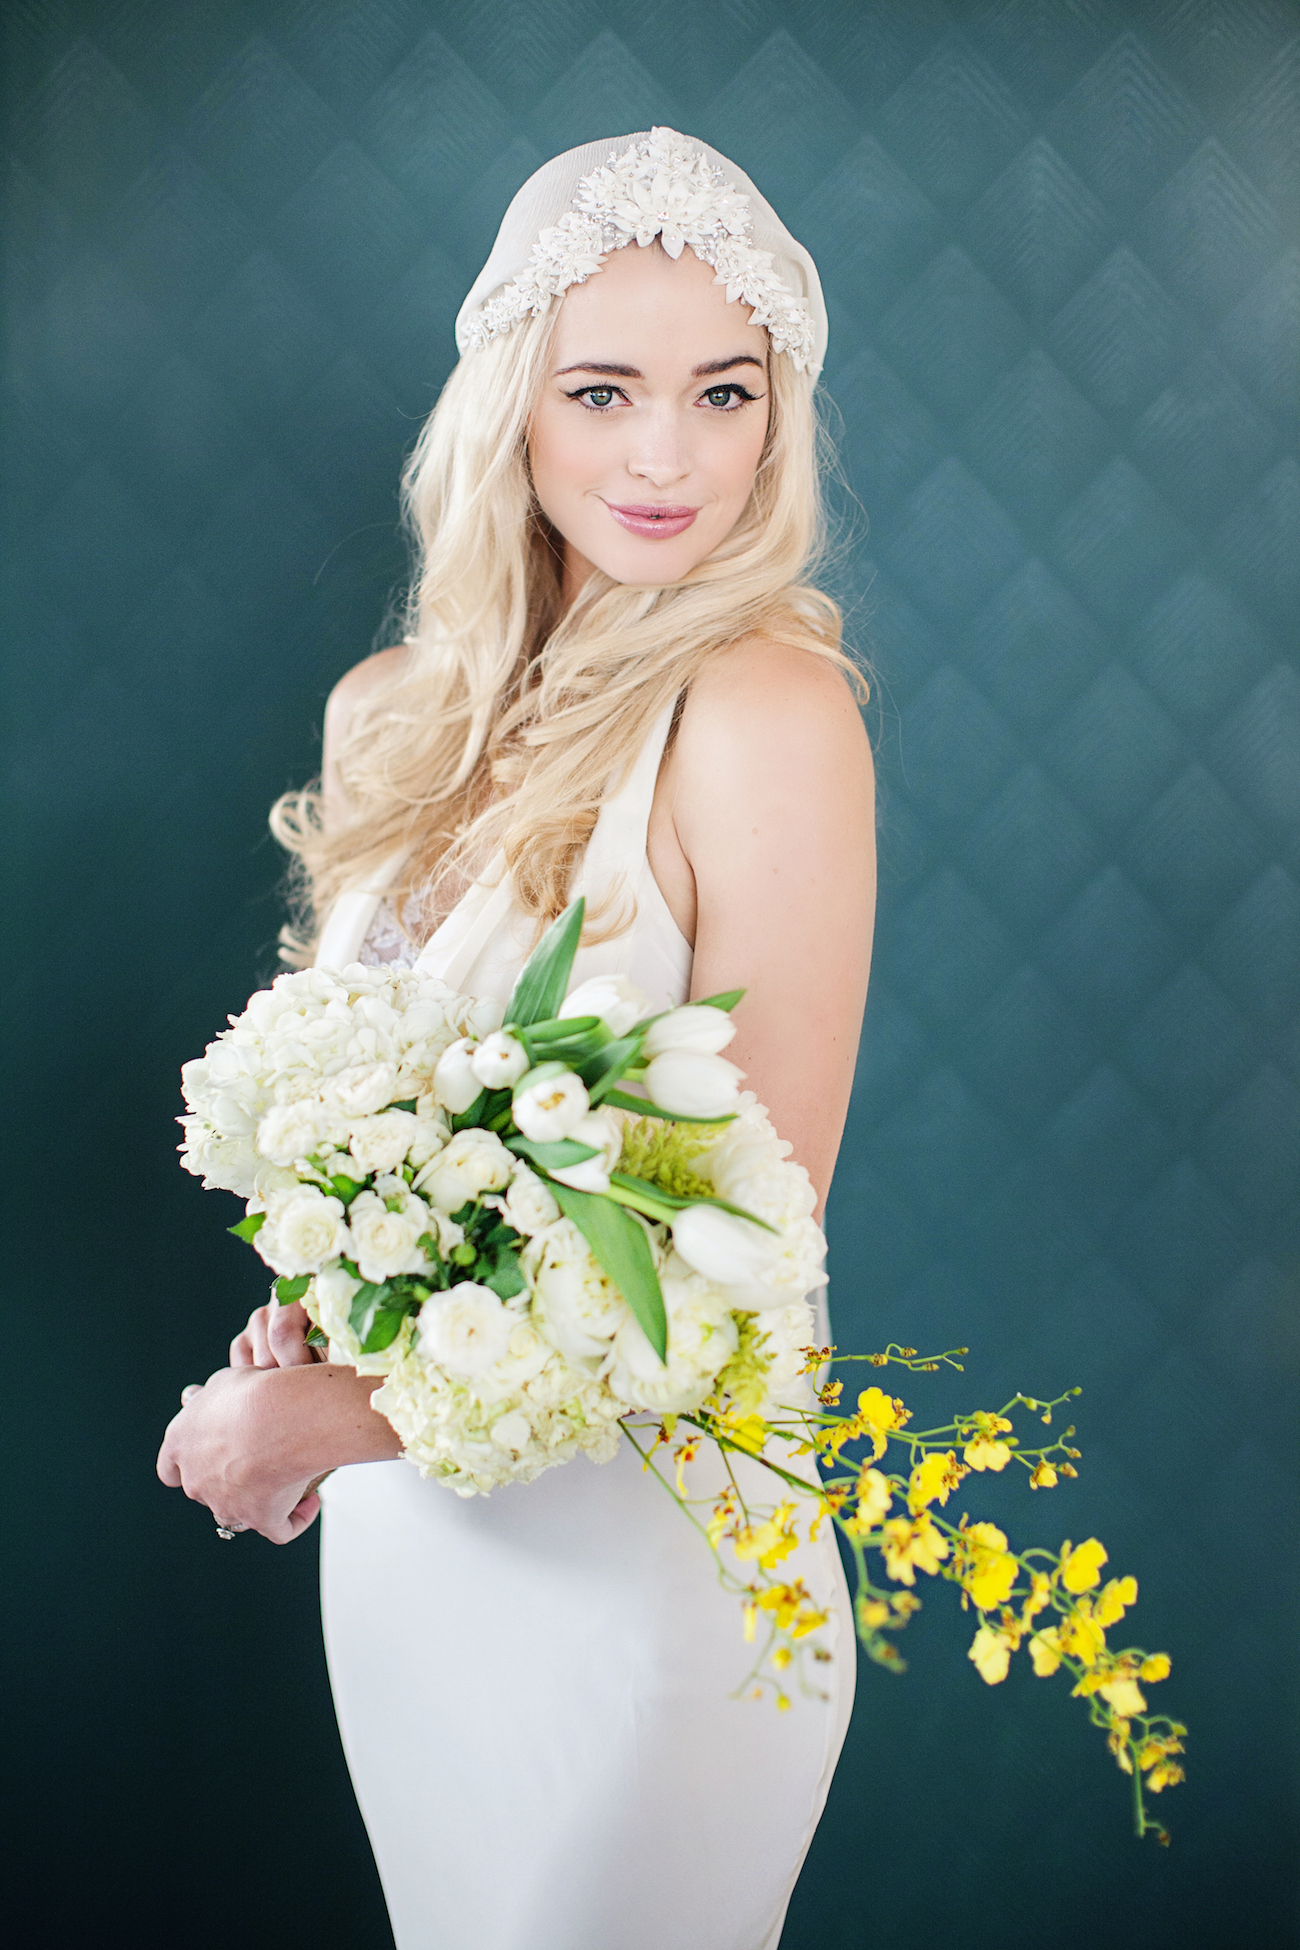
241,1351
286,1333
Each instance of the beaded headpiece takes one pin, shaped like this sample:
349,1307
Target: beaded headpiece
580,206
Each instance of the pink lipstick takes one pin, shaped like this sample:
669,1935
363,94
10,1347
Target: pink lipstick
650,519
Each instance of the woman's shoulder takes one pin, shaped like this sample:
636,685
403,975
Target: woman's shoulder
761,693
352,689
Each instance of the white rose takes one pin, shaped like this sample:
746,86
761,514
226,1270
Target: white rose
290,1131
224,1164
602,1130
499,1061
387,1243
433,1132
303,1229
454,1081
577,1307
381,1142
471,1163
618,1002
362,1089
696,1027
692,1083
512,1432
702,1337
465,1330
551,1104
527,1204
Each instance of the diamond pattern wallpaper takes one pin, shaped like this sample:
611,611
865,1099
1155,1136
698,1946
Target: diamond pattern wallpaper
1060,241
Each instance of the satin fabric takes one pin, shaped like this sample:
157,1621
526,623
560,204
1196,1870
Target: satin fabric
535,1689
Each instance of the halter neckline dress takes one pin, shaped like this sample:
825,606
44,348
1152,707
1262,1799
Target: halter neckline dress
535,1688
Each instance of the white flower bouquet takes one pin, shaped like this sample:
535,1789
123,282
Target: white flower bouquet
543,1232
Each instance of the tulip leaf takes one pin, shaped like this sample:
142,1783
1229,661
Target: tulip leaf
554,1155
622,1249
644,1108
557,1029
249,1227
288,1290
471,1119
726,1001
545,975
673,1201
602,1070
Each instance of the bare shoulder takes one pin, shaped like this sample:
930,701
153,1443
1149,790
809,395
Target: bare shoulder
760,703
351,690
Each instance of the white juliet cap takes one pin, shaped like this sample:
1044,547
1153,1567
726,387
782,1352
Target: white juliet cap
628,189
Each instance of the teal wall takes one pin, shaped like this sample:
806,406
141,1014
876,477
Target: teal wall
1058,239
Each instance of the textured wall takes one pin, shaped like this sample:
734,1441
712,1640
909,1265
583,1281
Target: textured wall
1058,239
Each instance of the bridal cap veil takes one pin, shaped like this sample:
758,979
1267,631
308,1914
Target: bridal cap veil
632,188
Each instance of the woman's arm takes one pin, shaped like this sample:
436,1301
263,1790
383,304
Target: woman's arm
763,841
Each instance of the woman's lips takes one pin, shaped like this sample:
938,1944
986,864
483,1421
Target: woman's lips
658,522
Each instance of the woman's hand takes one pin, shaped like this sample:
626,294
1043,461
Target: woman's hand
275,1337
252,1443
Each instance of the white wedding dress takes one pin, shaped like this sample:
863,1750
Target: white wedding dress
534,1688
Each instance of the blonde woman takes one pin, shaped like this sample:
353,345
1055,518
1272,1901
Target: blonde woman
617,680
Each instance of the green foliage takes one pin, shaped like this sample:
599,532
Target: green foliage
744,1379
540,989
553,1155
662,1155
248,1228
621,1248
288,1290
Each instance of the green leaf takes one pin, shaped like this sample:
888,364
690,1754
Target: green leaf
316,1339
288,1290
346,1188
622,1249
505,1279
249,1228
404,1103
644,1108
368,1297
540,989
385,1328
603,1070
555,1154
727,1001
644,1189
471,1119
557,1029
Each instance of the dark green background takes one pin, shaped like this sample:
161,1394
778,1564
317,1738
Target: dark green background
1059,247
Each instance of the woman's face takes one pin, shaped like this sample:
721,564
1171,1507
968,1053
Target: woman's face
652,419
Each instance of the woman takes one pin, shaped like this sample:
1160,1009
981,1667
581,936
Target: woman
616,681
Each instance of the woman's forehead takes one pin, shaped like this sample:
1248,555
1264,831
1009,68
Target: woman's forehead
669,308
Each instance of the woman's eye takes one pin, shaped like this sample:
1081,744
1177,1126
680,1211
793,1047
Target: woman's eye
728,397
598,396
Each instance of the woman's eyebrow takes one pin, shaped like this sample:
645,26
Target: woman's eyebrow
706,371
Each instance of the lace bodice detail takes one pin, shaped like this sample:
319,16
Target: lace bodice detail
387,944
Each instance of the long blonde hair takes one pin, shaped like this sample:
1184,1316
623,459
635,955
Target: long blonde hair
504,722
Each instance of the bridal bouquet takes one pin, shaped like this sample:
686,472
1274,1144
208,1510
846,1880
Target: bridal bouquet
543,1230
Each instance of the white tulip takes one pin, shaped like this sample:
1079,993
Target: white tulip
454,1082
695,1027
618,1002
693,1083
551,1106
499,1061
602,1130
732,1251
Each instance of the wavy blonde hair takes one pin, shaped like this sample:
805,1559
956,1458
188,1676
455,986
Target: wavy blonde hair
506,720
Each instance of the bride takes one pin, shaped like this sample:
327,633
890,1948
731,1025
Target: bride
617,681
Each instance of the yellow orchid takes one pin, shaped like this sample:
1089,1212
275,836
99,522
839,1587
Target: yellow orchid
1081,1567
1045,1651
1043,1476
985,1453
1081,1637
873,1612
988,1570
990,1653
1124,1696
1040,1590
793,1608
1155,1668
771,1541
879,1413
933,1480
1114,1599
874,1494
748,1432
910,1544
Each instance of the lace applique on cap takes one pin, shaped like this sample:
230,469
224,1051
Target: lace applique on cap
661,187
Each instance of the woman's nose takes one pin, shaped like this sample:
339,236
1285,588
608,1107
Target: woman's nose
659,455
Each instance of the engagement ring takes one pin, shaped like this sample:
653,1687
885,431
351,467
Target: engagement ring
228,1530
